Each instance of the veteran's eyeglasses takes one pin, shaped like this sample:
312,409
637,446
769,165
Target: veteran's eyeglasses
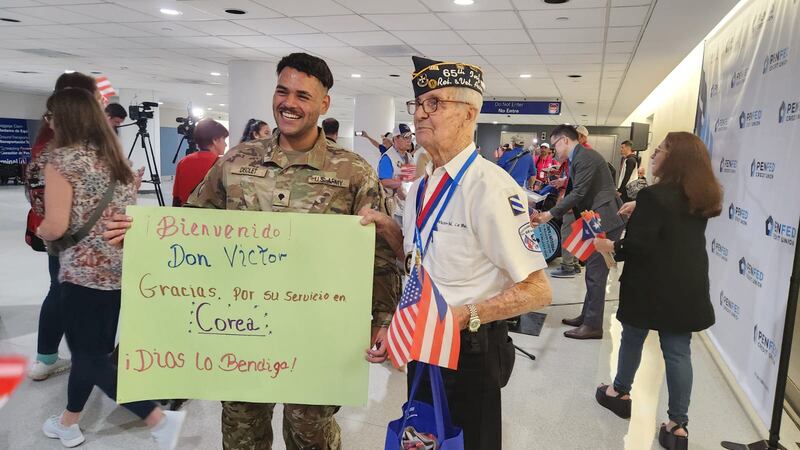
429,105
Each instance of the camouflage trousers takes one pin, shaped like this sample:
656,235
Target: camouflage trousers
248,426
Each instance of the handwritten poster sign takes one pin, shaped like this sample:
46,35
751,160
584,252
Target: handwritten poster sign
248,306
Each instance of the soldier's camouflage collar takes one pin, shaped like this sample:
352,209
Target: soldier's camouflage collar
314,158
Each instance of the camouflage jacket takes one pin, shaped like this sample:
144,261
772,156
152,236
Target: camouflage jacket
258,176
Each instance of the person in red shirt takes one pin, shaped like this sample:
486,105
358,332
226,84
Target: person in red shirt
210,137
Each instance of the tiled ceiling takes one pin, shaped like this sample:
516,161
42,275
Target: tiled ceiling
136,46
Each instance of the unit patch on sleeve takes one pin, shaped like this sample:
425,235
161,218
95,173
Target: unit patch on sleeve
526,233
517,207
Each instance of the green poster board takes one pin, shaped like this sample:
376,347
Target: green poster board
249,306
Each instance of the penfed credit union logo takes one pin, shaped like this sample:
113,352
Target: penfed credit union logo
739,77
763,169
751,272
728,165
781,232
729,306
775,60
789,111
719,250
721,124
765,344
738,214
750,119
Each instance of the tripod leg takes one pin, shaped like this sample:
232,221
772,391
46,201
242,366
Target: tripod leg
532,357
130,153
154,171
178,150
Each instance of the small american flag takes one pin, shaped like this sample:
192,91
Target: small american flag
105,88
423,327
581,241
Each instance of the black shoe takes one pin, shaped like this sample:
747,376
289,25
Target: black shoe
670,441
617,405
574,322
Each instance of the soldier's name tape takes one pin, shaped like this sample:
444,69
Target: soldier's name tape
261,172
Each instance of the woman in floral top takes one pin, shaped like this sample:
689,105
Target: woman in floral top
50,331
85,160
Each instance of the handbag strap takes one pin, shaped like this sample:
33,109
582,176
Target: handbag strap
97,213
67,241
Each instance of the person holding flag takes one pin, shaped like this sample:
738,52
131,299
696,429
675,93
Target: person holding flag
471,256
589,187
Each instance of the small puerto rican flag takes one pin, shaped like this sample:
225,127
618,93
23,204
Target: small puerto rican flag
581,241
105,88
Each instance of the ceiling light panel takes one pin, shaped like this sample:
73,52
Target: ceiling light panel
333,24
282,25
578,18
568,35
479,5
220,28
484,37
295,8
623,34
629,16
384,7
217,8
392,22
425,37
573,4
489,20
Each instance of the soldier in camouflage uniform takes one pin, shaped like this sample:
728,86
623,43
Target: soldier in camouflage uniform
264,175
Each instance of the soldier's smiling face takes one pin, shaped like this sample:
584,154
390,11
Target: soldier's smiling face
298,101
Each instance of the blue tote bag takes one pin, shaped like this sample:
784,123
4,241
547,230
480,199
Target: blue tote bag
426,418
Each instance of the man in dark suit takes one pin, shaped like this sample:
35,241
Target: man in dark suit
590,187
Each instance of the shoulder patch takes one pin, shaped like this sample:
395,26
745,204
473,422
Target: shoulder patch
526,233
517,207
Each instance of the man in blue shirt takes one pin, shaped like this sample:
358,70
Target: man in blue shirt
397,169
518,162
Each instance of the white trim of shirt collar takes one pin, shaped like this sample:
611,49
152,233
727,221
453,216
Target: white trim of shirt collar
455,164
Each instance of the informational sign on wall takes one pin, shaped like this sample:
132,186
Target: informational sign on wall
247,306
15,144
749,117
521,107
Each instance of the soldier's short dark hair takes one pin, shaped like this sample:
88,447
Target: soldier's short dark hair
116,110
206,131
330,126
627,143
310,65
564,130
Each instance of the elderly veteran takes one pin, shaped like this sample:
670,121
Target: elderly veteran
466,222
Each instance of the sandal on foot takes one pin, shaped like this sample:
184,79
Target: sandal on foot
670,441
619,406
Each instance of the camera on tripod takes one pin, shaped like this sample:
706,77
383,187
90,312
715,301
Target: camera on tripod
186,127
143,111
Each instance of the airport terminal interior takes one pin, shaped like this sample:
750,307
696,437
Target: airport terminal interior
621,71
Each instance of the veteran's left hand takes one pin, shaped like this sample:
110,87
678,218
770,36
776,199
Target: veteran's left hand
378,350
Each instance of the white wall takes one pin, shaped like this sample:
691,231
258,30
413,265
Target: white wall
17,105
672,104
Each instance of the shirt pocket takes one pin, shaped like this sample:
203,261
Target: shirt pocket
457,256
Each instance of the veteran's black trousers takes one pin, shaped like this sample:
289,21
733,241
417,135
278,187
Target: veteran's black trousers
473,391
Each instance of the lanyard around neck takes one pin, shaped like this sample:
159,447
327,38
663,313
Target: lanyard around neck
443,194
